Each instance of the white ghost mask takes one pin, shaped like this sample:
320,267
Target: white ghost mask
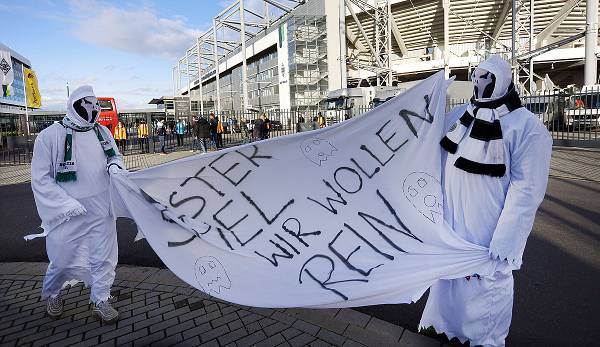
87,108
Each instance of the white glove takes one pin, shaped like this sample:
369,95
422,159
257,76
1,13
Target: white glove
115,169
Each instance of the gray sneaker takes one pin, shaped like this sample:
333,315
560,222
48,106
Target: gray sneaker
54,306
104,311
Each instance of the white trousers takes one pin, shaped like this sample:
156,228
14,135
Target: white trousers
478,310
82,249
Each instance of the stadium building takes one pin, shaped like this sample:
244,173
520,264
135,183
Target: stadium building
297,53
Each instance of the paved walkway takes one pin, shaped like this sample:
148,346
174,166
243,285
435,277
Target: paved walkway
156,308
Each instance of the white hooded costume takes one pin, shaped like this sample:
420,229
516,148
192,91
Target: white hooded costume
494,179
70,183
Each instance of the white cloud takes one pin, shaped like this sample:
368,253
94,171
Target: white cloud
139,30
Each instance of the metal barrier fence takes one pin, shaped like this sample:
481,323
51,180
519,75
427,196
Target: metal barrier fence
572,118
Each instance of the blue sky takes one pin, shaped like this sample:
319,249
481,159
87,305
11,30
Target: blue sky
123,49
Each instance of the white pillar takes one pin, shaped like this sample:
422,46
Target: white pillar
216,62
335,12
200,79
446,6
591,43
244,67
531,43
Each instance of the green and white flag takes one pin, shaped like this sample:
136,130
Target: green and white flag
6,72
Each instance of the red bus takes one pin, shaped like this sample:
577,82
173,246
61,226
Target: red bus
108,113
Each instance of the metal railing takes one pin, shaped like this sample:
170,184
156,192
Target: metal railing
572,118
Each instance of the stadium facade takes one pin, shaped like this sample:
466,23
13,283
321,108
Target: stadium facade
297,52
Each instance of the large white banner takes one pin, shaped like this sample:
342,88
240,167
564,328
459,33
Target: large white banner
348,215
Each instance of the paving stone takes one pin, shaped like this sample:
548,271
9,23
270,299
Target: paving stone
176,312
180,303
224,319
306,327
148,286
331,337
252,339
212,308
116,333
232,336
196,305
234,325
274,340
353,317
165,288
50,339
184,290
301,340
160,310
350,343
385,328
275,328
168,341
318,343
197,330
251,318
56,322
132,306
290,333
131,336
180,327
87,343
192,341
207,317
67,341
324,319
133,319
149,339
69,326
212,343
100,330
214,333
369,337
252,327
163,324
265,322
191,315
147,307
282,317
35,336
87,327
417,340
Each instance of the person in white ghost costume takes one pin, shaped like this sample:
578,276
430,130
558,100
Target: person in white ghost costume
494,179
72,160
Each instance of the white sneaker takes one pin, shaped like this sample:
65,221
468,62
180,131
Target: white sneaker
54,306
105,312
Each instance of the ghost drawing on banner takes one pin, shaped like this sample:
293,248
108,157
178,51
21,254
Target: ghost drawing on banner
424,193
317,150
211,275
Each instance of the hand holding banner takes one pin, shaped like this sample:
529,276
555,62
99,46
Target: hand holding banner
348,215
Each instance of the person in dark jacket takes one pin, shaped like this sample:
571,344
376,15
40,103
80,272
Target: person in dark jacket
201,133
257,131
213,124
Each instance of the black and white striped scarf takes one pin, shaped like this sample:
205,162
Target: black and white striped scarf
477,135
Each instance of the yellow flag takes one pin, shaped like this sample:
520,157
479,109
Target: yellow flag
34,99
